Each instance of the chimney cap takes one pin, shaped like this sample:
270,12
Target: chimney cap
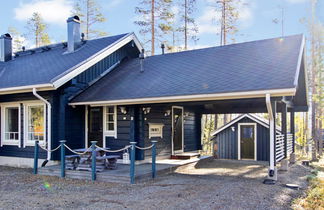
74,18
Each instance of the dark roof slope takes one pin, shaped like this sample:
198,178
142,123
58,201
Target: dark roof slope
43,67
258,65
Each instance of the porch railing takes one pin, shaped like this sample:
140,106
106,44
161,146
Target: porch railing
92,149
289,143
280,147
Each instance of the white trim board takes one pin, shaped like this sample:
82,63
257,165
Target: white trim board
239,140
250,116
197,97
21,162
172,124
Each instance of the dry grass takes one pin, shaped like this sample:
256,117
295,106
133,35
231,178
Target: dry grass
314,198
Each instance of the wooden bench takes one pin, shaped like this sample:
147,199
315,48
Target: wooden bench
110,161
72,161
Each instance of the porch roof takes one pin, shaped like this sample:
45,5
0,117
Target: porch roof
244,70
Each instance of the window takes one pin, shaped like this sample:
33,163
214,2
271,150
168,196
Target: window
10,125
34,124
110,121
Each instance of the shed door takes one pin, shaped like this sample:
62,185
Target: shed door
247,141
95,125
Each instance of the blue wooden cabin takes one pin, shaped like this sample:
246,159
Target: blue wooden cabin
107,90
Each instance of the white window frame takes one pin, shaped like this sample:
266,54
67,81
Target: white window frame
239,140
3,123
108,132
28,142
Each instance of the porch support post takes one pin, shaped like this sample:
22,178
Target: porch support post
284,125
93,161
132,165
271,107
62,142
292,131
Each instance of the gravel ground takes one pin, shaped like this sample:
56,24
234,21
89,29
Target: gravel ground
216,184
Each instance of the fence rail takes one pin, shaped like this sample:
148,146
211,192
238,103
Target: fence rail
280,147
92,149
289,143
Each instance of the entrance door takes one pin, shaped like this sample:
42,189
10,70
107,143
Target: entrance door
95,125
177,129
247,137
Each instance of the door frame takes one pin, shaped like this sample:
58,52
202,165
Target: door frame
239,140
172,146
86,145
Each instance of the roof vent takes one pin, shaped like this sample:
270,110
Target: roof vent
74,36
5,47
141,57
162,47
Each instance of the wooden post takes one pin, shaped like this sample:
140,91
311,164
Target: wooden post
62,158
284,126
154,159
132,165
36,157
93,161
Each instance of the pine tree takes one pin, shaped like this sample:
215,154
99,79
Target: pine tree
89,12
18,40
229,10
155,21
188,27
37,30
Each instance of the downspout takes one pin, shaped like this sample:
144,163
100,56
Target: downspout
271,127
49,114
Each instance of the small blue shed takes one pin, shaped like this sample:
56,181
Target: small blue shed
245,137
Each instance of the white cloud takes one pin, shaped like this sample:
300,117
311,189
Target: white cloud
52,11
113,3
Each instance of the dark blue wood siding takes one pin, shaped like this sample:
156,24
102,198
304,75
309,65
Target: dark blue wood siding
227,141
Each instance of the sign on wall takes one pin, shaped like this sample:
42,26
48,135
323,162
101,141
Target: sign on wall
155,130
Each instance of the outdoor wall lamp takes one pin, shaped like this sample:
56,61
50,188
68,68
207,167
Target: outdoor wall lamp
167,112
186,114
123,109
233,128
146,110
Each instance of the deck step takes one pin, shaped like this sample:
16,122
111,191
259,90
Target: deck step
185,156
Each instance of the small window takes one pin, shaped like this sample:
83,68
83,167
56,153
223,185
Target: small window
110,121
11,125
35,124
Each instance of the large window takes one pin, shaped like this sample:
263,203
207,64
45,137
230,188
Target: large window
10,125
110,121
34,123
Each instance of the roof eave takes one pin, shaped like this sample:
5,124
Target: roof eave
198,97
26,89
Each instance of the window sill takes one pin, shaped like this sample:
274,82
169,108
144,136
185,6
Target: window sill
32,143
110,134
10,143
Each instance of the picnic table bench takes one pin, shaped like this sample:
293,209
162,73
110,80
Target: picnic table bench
72,161
110,161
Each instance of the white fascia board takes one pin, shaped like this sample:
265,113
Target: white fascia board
189,98
229,124
26,88
78,69
300,57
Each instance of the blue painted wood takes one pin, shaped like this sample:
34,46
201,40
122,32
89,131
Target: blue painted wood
132,165
93,161
227,141
153,159
36,157
62,158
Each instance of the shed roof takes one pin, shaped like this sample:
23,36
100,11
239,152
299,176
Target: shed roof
260,120
270,65
46,65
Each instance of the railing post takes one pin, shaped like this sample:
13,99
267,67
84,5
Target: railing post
94,160
132,165
62,158
36,157
153,159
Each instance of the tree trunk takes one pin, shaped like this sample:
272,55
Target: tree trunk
186,25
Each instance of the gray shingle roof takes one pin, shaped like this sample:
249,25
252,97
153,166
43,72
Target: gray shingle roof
258,65
43,67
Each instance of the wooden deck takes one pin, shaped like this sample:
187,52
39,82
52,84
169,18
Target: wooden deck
121,174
